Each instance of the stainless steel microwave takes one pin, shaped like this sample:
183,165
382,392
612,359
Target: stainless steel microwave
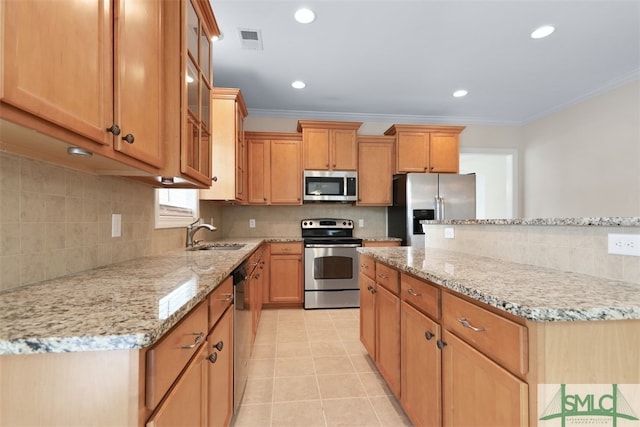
330,186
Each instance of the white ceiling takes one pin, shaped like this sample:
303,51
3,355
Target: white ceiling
400,61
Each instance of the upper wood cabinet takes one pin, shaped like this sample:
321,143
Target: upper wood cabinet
83,74
329,145
229,151
274,168
188,81
375,170
432,149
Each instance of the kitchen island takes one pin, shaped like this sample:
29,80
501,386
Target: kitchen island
448,327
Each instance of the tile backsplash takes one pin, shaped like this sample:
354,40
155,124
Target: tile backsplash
56,221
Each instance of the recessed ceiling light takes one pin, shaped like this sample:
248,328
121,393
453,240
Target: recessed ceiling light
542,32
460,93
304,16
298,84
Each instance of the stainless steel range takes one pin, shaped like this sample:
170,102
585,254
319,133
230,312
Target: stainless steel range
330,263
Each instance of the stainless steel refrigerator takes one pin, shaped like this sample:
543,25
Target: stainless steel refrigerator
428,196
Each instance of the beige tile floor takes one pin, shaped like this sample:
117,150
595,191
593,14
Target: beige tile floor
309,369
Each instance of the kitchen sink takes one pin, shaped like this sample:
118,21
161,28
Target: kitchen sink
217,247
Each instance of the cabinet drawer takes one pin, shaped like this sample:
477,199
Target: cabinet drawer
286,248
388,277
497,337
219,300
167,358
368,266
421,294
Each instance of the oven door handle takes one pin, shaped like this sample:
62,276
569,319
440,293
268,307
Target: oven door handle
350,245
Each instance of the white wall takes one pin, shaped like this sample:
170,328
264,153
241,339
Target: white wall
585,160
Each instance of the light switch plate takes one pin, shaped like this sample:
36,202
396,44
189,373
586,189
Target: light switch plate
361,223
449,233
116,225
252,223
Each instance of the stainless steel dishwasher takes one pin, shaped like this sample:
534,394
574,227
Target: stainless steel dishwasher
241,333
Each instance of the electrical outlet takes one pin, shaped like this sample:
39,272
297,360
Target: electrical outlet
252,223
624,244
449,233
116,225
361,223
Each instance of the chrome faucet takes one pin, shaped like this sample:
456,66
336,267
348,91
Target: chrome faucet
191,231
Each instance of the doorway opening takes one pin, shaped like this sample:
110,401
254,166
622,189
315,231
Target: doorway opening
496,181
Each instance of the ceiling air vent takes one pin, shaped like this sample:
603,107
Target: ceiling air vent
250,39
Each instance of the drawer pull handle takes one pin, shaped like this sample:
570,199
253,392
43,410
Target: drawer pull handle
198,341
413,293
466,324
370,288
219,345
213,357
382,276
429,335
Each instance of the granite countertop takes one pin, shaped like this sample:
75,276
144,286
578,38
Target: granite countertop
581,222
127,305
530,292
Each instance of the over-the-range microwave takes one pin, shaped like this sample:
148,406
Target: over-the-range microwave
330,186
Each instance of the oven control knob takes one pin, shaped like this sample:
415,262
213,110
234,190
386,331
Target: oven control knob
304,223
310,222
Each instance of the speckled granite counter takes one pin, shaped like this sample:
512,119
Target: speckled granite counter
127,305
582,222
530,292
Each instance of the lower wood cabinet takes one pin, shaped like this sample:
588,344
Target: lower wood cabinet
478,391
285,273
388,337
184,405
421,394
219,356
368,314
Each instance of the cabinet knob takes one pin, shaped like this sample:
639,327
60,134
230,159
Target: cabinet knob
213,357
428,335
214,179
440,344
114,129
128,138
219,345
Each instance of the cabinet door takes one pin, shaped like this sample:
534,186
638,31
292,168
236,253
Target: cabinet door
413,152
285,279
76,39
477,391
184,405
445,155
367,314
286,174
420,376
375,173
258,171
138,100
315,149
344,149
388,337
220,371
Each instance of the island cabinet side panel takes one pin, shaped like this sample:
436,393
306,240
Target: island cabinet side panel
583,353
92,388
